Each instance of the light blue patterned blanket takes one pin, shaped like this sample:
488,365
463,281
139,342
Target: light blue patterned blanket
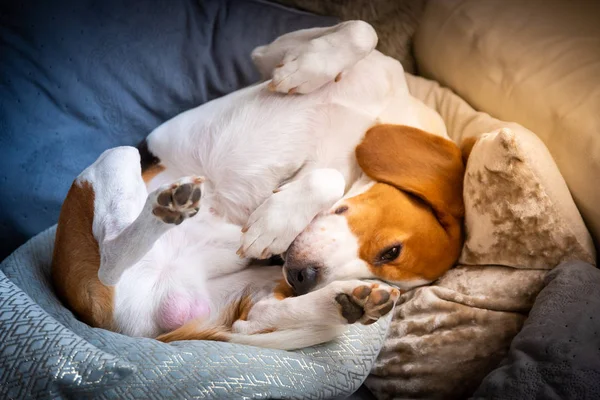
45,352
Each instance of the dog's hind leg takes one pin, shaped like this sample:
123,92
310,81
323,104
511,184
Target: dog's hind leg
305,320
127,220
304,61
164,208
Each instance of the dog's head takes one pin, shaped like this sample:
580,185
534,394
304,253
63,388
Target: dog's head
401,223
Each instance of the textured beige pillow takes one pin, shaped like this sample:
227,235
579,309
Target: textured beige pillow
519,211
444,339
521,221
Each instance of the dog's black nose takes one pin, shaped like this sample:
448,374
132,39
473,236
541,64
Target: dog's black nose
302,280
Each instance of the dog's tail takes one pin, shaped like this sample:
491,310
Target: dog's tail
288,339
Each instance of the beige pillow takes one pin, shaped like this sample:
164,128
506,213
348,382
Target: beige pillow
521,221
518,209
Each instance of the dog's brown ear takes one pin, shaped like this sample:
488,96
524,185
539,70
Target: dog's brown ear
425,165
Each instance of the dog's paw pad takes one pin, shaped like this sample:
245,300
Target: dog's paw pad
379,303
367,303
178,201
351,311
361,292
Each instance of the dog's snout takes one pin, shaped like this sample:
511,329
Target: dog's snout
302,280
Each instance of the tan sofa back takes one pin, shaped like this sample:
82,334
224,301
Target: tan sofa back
535,62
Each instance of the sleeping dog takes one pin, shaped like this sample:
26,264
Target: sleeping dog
329,161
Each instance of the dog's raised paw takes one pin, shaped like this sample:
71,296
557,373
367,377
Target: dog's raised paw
178,201
367,303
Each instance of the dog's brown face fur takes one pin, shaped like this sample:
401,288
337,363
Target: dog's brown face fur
405,228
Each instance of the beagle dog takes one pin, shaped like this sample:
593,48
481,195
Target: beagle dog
328,161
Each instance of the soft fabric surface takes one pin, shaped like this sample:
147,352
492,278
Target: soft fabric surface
557,353
45,352
518,210
446,337
535,62
394,20
515,166
40,358
80,76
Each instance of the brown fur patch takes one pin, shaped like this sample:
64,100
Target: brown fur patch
283,290
190,331
243,309
417,202
153,170
76,260
268,330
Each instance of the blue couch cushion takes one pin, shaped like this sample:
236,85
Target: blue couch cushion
80,76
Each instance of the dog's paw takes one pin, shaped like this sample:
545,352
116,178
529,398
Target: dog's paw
366,303
178,201
307,68
271,228
311,64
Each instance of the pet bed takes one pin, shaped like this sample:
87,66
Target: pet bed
47,353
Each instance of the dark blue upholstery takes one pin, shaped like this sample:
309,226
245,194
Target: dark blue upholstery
80,76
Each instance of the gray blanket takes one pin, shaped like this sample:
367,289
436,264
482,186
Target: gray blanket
557,353
45,352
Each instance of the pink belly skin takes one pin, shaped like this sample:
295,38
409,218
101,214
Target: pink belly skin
177,309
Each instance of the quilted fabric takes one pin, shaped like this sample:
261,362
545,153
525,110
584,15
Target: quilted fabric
41,358
80,76
119,367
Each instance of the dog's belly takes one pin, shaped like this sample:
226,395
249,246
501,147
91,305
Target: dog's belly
247,143
177,308
168,287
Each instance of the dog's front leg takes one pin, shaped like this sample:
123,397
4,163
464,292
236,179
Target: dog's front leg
339,303
166,207
274,225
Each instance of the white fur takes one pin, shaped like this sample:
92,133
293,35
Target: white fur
248,144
